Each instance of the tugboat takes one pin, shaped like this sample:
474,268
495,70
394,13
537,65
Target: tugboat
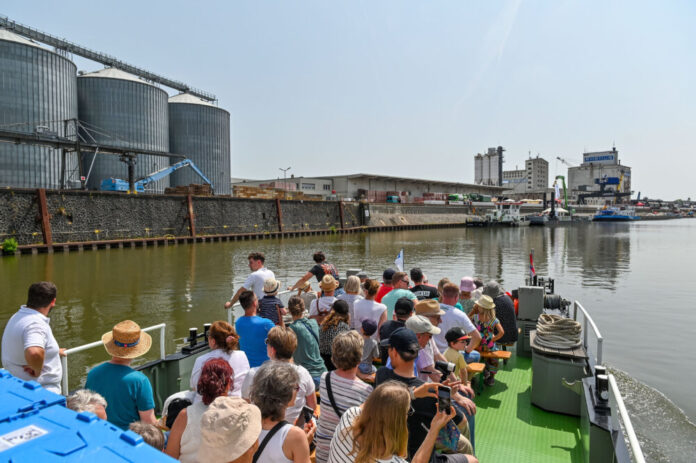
550,216
616,214
505,213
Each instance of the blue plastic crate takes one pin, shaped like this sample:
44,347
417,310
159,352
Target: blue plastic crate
19,396
56,434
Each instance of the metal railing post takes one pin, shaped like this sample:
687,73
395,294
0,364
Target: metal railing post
64,379
633,441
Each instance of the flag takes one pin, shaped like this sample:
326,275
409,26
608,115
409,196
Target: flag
399,262
558,192
532,272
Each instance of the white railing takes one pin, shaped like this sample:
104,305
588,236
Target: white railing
585,320
64,359
617,403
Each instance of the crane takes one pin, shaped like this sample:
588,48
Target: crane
565,192
117,184
565,161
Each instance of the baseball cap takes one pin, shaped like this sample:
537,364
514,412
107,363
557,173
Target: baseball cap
456,334
388,274
403,340
420,324
369,327
403,306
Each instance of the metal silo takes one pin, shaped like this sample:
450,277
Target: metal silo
200,131
37,95
119,109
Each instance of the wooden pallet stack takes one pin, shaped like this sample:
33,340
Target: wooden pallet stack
192,189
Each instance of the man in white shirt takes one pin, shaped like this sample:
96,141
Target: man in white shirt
254,282
454,317
29,350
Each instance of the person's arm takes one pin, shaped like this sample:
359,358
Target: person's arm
426,448
382,319
311,400
174,442
500,332
148,416
296,445
34,356
235,298
301,281
474,341
465,403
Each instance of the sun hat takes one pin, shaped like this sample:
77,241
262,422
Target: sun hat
486,302
403,340
271,286
362,275
328,283
388,274
420,324
126,341
492,289
467,284
229,428
456,333
429,307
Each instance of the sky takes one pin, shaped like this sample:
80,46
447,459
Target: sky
415,88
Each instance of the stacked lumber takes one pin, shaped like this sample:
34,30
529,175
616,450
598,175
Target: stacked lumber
242,191
192,189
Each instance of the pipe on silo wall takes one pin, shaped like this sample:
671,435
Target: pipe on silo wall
201,132
38,93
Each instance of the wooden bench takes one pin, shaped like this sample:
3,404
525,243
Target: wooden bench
497,354
475,368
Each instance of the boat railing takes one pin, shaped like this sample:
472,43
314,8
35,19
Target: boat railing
586,319
73,350
622,419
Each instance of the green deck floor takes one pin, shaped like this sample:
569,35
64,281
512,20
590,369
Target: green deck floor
510,429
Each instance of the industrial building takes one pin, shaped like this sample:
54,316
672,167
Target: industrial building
533,179
375,187
599,178
60,128
488,168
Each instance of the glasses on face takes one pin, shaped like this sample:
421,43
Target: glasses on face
405,281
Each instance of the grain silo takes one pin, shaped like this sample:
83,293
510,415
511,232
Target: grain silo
119,109
201,132
37,95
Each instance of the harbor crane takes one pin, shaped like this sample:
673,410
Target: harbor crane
565,161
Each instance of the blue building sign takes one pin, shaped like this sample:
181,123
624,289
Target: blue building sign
607,157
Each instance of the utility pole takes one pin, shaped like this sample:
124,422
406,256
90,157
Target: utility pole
285,177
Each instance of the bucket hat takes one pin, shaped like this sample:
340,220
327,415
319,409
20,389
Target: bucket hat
486,302
270,287
429,307
229,428
493,289
467,284
420,324
126,340
328,283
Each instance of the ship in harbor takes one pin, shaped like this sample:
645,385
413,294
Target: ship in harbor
616,214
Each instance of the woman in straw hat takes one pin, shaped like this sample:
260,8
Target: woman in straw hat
320,308
230,431
127,392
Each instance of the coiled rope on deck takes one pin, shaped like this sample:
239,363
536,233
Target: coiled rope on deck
556,332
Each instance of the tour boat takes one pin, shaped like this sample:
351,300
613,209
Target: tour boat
616,214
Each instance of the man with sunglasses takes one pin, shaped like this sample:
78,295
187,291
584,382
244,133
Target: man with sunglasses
400,282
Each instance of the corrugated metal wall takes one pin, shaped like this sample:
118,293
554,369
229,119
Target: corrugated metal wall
128,114
37,88
202,133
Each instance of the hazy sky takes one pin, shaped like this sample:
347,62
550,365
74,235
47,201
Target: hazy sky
418,88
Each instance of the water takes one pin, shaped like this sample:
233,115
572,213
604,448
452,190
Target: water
634,278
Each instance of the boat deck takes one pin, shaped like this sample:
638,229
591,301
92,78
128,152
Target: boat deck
510,429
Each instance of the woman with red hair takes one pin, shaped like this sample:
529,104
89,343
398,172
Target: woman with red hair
216,380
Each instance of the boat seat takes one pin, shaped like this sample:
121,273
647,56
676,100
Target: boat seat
497,354
475,368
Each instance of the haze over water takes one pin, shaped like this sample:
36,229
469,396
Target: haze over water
635,279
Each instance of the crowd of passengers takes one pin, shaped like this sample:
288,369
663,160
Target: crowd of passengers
255,395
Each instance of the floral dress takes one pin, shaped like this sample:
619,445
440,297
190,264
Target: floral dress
487,331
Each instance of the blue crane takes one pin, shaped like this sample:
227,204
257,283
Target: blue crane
117,184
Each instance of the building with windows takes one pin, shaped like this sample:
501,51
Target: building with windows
599,171
534,178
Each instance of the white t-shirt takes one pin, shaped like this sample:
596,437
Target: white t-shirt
306,388
30,328
452,317
426,360
254,282
342,441
365,309
351,299
237,360
321,306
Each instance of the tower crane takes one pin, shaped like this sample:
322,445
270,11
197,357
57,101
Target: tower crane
565,161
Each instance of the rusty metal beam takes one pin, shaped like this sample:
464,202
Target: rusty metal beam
340,213
191,215
45,217
279,211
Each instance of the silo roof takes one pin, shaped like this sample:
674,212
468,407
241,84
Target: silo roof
12,37
190,99
113,73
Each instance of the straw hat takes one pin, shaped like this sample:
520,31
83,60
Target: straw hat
328,283
229,428
486,302
126,341
271,286
429,307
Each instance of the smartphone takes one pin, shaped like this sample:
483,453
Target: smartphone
444,399
305,416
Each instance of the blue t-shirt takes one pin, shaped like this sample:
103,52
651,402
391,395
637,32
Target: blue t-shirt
394,295
126,392
252,333
268,308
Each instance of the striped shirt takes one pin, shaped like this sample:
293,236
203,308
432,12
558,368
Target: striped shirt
347,393
342,442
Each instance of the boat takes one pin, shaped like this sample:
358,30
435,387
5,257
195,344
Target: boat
506,213
556,216
616,214
546,404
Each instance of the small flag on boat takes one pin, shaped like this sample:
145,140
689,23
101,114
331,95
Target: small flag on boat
557,191
532,272
399,262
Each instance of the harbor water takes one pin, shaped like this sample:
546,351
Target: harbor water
634,278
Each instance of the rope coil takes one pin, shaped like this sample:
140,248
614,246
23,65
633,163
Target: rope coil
556,332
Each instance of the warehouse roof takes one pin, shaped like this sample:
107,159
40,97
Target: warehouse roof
417,180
